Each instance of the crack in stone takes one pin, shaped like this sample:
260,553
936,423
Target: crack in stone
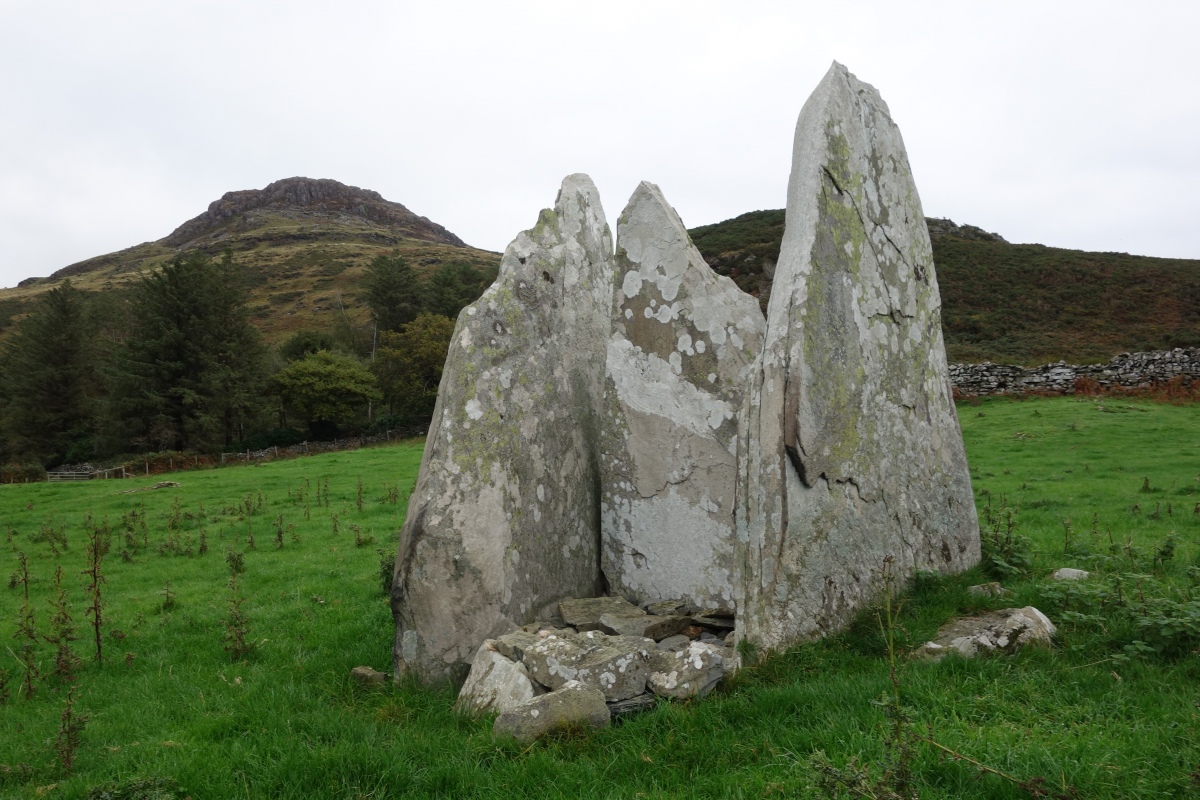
894,315
919,271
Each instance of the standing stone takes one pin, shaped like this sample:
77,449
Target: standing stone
851,451
679,355
503,522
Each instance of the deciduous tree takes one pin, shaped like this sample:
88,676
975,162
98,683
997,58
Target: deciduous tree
409,365
326,389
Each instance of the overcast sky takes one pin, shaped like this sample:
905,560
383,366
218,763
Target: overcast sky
1073,124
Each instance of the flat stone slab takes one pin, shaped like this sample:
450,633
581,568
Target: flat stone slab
646,626
1004,631
634,705
674,643
691,672
616,665
668,608
513,645
495,684
571,705
678,359
992,589
584,614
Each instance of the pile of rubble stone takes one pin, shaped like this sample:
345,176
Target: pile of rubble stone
607,657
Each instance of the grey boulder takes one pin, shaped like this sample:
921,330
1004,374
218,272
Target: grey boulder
690,672
615,665
573,704
584,614
495,684
1004,631
648,626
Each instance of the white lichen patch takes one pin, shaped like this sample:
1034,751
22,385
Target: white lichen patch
649,385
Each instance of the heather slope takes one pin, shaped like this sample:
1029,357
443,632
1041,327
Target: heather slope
1012,303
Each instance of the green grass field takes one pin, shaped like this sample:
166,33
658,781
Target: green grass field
1112,710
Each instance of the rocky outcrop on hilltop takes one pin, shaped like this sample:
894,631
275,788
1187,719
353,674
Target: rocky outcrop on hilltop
314,197
947,227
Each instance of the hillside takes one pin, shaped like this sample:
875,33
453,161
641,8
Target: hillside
1010,303
302,243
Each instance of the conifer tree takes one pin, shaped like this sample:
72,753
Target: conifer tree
49,380
393,292
190,373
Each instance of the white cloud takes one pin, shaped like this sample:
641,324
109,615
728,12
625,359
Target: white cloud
1069,123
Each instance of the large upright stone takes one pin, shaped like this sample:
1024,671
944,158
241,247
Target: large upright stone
852,452
678,358
503,522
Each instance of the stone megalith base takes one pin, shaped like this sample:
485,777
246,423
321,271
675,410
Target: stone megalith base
851,452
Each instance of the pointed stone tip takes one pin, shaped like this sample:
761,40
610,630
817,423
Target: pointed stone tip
579,182
650,199
647,191
580,185
839,74
836,70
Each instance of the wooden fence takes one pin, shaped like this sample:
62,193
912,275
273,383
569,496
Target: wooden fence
154,464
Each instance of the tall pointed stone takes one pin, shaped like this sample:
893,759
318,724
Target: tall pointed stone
678,358
503,522
852,453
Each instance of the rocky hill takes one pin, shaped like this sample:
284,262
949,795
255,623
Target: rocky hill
302,244
1010,303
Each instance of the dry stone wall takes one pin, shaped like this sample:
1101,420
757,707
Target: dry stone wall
1125,371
